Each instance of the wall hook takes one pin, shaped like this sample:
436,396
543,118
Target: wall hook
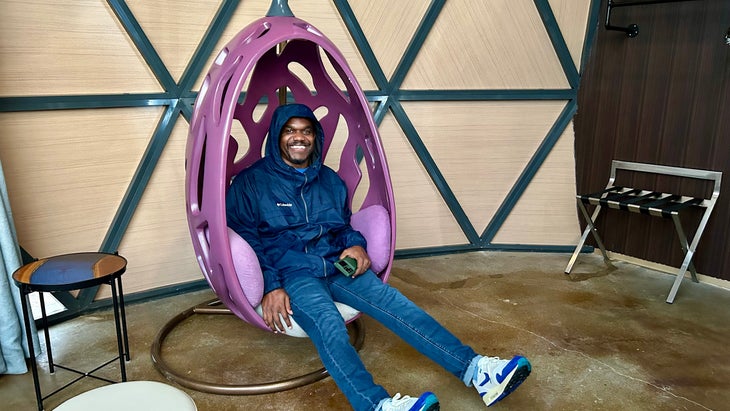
632,30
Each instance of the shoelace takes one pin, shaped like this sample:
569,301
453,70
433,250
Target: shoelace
491,364
397,399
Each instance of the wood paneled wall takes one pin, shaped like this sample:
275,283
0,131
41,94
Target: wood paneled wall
105,97
662,97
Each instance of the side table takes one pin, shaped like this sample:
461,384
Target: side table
73,272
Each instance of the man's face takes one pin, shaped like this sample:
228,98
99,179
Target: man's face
296,142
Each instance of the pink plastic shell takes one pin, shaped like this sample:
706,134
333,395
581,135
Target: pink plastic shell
212,150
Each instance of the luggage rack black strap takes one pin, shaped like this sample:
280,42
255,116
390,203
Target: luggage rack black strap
617,200
636,202
641,201
586,198
676,207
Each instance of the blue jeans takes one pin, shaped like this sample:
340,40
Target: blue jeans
312,301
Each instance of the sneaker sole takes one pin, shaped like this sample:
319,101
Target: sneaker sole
516,377
428,402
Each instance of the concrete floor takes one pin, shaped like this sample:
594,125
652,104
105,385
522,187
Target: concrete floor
601,338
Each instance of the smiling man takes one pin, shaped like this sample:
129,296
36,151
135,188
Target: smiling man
297,142
292,210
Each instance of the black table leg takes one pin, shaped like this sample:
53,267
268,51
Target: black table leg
124,317
31,350
117,323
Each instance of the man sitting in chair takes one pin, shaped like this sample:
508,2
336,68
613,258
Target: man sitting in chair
292,210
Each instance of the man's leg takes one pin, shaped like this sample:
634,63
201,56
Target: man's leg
368,294
492,377
315,311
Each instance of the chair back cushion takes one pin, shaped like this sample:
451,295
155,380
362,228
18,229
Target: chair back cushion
246,264
374,224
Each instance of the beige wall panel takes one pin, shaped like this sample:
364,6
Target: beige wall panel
389,27
422,217
322,14
481,148
495,44
67,47
157,243
572,17
547,214
67,172
174,27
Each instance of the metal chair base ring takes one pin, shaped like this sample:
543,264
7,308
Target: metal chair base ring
214,307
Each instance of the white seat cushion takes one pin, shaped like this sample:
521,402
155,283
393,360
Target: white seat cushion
347,312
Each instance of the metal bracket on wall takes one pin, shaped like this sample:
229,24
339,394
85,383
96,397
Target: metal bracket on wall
632,30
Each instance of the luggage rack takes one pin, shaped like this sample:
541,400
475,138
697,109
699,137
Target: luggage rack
653,203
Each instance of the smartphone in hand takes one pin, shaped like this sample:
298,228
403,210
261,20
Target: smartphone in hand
347,266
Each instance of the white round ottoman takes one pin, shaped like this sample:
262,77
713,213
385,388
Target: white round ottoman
131,395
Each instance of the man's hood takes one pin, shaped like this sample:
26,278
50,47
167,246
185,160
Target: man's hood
282,114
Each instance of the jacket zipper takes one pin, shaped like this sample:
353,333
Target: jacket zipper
306,218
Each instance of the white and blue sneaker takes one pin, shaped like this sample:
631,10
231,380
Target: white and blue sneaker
426,402
495,378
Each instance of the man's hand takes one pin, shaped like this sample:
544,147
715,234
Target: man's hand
274,303
360,255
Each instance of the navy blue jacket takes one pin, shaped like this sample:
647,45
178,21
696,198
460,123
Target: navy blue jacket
297,223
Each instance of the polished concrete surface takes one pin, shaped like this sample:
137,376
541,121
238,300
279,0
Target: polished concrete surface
601,338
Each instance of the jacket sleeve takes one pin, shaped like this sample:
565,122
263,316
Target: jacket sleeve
243,217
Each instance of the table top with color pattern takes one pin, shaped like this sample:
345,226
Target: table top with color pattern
70,271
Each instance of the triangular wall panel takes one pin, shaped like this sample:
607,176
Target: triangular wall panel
389,27
481,148
81,49
423,218
496,44
546,214
174,27
65,186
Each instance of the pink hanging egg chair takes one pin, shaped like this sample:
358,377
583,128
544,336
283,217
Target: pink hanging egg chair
284,59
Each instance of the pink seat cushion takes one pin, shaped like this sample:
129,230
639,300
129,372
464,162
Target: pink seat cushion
247,268
246,264
374,224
